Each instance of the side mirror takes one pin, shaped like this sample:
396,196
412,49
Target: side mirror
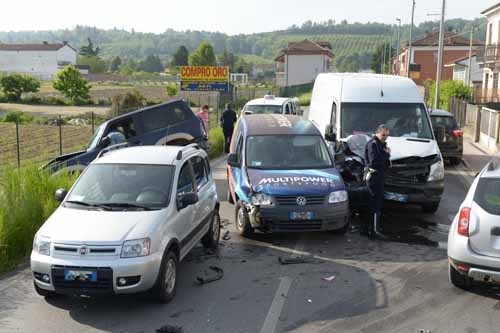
61,194
330,134
439,133
106,141
232,160
186,199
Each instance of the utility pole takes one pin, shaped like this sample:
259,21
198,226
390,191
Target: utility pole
399,45
382,58
469,71
409,42
390,56
440,58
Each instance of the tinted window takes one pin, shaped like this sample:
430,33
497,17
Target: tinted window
488,195
200,171
185,183
264,109
125,126
447,122
162,117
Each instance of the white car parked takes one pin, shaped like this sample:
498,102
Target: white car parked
130,218
474,237
273,105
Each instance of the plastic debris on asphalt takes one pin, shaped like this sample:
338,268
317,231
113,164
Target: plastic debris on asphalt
226,235
293,261
219,273
169,329
328,278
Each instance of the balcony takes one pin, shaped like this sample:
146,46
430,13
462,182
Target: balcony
488,54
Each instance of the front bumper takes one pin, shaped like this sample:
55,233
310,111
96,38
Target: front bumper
108,272
427,193
277,218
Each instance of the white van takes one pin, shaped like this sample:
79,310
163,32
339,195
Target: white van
346,105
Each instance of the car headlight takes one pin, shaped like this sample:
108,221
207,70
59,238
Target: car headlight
261,199
136,248
337,196
41,245
437,172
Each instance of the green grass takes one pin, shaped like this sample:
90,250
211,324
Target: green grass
26,201
216,138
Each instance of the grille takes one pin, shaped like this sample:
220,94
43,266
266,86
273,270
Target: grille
95,250
297,225
411,170
104,281
292,200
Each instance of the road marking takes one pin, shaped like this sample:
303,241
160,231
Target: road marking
276,306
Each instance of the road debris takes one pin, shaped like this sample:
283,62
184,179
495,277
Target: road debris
226,235
309,300
422,330
169,329
328,278
219,273
293,261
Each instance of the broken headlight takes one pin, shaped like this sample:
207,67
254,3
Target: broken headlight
261,199
337,196
437,171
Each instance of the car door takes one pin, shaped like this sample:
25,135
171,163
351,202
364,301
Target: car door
234,173
204,206
185,226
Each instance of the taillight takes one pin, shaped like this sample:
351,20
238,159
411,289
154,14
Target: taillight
458,133
463,222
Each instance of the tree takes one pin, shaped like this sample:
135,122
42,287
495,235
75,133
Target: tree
181,57
382,51
172,89
151,64
123,103
228,59
115,64
72,85
95,63
14,85
203,56
88,50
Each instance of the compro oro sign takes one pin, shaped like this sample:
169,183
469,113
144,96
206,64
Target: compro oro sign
204,78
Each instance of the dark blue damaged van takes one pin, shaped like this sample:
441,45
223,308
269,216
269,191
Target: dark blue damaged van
282,177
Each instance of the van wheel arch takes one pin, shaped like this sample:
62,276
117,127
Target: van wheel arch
177,142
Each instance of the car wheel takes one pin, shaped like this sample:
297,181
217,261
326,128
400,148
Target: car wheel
166,285
43,292
242,221
430,208
211,238
458,280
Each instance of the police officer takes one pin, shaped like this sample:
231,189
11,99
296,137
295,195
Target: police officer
377,157
227,121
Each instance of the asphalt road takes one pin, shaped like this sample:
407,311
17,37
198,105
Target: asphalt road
398,285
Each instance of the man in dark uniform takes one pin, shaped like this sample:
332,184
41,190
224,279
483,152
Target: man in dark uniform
227,121
377,157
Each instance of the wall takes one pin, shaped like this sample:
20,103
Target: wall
304,68
427,59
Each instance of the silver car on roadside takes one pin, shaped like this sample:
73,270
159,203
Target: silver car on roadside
474,237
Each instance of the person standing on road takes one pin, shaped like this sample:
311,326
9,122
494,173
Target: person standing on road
203,115
227,121
377,157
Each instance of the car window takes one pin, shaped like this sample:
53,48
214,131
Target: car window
164,116
488,195
125,126
185,182
239,150
200,171
333,119
287,108
447,122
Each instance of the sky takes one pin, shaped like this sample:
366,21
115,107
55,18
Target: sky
228,16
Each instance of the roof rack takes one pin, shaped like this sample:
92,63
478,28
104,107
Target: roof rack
111,148
192,145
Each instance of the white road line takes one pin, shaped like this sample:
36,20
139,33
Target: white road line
276,306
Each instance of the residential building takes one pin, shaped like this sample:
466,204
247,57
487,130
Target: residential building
301,62
262,69
489,55
425,55
39,60
460,68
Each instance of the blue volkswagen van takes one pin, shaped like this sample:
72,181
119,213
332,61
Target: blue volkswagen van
282,177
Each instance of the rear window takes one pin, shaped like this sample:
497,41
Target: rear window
447,122
162,117
488,195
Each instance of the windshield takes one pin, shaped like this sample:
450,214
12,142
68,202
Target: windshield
96,137
287,152
447,122
403,120
264,109
123,184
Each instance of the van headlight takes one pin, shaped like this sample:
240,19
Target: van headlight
261,199
437,171
337,196
41,245
136,248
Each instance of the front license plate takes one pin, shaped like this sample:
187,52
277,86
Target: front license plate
79,275
396,197
302,216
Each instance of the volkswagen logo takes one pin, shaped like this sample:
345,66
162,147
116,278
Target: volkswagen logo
301,201
83,250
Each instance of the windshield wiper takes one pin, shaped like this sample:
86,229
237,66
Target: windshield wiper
127,205
86,204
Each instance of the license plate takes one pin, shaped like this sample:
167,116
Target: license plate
396,197
301,215
79,275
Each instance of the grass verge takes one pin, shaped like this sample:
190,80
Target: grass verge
216,139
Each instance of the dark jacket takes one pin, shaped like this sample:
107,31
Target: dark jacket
227,121
375,155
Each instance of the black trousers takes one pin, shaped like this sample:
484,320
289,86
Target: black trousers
375,202
227,140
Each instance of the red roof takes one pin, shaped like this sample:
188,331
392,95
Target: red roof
306,47
32,47
450,39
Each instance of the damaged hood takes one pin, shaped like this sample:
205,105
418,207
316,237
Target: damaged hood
296,182
405,147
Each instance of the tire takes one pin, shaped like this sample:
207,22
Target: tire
430,208
165,290
242,221
455,160
458,280
43,292
211,238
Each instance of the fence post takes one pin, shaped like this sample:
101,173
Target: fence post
59,124
477,126
18,145
93,122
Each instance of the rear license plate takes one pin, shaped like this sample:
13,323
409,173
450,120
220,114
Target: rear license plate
396,197
302,216
80,275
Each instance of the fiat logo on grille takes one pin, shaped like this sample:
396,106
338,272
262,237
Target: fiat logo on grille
301,201
83,250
